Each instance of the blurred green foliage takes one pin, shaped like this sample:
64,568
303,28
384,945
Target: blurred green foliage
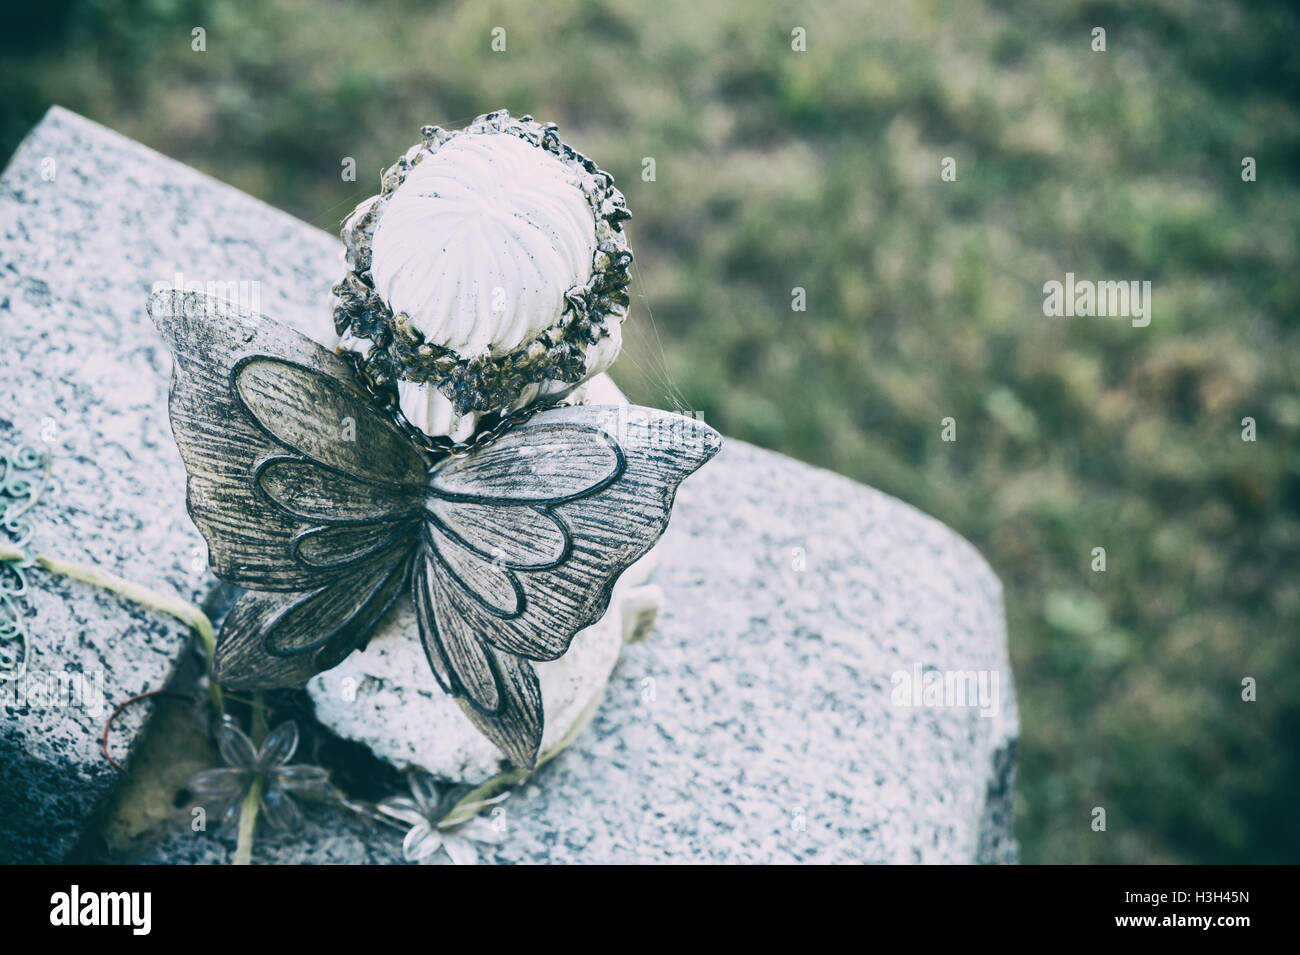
820,169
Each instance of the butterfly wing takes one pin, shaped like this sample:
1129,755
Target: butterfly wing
524,540
302,490
284,639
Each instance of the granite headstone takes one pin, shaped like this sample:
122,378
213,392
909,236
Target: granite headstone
828,680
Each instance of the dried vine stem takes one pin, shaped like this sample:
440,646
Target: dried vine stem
182,610
248,810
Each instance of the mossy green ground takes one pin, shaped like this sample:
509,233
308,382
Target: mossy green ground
821,169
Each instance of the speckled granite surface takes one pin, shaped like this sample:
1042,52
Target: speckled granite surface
762,721
328,837
758,724
83,367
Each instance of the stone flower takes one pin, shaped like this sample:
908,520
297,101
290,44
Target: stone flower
434,837
489,273
225,789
